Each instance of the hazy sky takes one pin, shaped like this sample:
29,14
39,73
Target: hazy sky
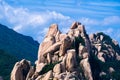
33,17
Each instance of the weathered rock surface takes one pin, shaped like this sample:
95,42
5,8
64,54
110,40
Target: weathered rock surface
47,42
30,73
39,67
86,69
72,56
20,70
71,60
57,68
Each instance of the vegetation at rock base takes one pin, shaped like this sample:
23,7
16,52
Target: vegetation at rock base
6,64
48,67
108,40
99,66
14,47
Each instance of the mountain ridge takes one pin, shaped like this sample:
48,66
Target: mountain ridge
16,43
7,61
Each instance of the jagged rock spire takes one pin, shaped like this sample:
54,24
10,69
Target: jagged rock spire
73,55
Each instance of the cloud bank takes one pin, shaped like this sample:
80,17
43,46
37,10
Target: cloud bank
36,23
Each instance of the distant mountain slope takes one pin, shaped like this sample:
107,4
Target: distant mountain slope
17,44
6,63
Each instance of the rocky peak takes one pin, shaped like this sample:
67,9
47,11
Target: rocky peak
107,48
72,56
52,30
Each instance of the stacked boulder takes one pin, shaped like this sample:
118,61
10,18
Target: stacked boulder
105,57
70,56
20,70
106,49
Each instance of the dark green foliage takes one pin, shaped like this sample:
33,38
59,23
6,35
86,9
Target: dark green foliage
107,39
115,65
77,41
116,75
95,64
17,44
98,66
48,67
6,64
12,45
113,76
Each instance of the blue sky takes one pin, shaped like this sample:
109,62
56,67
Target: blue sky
33,17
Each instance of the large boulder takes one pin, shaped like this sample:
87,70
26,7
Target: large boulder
39,67
71,60
20,70
82,29
52,48
86,69
71,76
47,42
65,44
57,68
51,37
30,73
53,29
55,58
74,25
48,76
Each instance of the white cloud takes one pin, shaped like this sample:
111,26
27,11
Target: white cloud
109,30
65,29
58,15
109,4
44,31
17,28
37,23
103,22
22,18
111,20
32,23
88,21
41,34
108,25
117,34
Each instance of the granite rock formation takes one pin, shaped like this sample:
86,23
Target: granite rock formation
72,56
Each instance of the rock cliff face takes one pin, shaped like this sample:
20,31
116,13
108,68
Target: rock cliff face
72,56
